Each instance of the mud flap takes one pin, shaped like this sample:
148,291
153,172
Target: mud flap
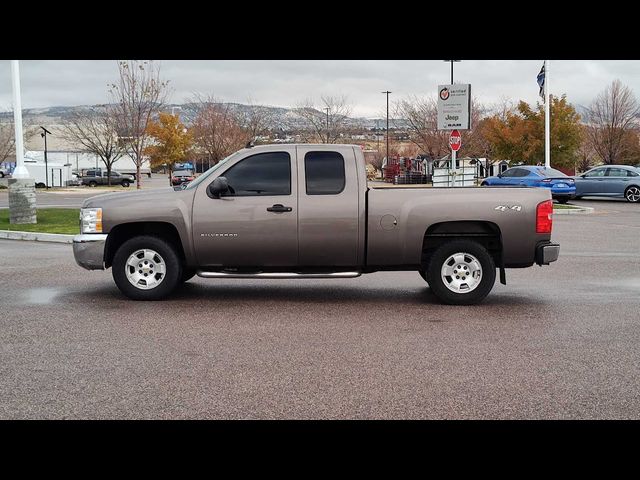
503,276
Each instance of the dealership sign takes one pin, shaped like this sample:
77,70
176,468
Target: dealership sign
454,107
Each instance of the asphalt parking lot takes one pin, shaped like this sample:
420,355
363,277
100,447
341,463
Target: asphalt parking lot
559,342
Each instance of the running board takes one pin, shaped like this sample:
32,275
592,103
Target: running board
277,275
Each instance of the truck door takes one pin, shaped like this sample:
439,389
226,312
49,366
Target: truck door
328,206
255,224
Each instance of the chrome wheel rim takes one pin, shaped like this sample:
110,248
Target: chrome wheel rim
145,269
633,194
461,272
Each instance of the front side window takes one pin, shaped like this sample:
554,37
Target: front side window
510,173
324,173
260,175
599,172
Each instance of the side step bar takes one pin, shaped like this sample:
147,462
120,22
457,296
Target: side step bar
277,275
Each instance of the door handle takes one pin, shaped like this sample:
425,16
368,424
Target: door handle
278,207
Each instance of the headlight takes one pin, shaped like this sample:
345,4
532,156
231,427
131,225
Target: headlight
91,220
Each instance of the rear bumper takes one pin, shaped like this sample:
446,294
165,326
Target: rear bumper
547,252
88,250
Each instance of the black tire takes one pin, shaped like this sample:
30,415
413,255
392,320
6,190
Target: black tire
487,276
483,184
125,183
188,274
1,174
423,274
562,200
173,274
632,198
93,184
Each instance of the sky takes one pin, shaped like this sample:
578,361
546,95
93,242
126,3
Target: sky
285,83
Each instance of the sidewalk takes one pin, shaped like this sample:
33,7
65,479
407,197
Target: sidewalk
36,236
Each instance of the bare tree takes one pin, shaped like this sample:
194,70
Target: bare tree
326,124
421,116
612,114
585,154
7,141
138,94
8,138
215,128
254,119
95,130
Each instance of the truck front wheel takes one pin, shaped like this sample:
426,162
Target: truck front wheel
146,268
461,272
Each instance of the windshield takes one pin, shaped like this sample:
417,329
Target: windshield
207,174
551,172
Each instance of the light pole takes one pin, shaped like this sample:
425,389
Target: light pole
327,109
46,163
452,62
22,194
387,93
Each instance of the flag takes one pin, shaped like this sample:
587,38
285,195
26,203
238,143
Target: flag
541,81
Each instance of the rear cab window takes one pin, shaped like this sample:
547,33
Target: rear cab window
324,173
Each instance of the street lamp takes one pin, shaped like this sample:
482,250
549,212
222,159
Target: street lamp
452,62
327,109
46,163
387,93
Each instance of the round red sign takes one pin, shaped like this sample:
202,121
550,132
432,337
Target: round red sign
455,141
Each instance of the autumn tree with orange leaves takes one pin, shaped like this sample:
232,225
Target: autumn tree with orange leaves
171,142
518,134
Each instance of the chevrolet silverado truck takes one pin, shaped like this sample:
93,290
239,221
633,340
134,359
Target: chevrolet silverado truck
94,178
307,211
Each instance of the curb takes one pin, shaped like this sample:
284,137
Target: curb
36,236
573,211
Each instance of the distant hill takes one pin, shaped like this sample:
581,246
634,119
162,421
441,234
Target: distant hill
282,116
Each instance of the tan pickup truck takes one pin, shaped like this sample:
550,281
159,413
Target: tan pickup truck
307,211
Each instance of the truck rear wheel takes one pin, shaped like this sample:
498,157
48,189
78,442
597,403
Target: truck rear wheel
461,272
146,268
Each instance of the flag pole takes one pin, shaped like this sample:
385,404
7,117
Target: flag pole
547,111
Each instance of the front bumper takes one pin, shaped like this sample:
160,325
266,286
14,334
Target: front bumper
547,252
88,250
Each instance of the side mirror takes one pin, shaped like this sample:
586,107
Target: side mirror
499,175
218,187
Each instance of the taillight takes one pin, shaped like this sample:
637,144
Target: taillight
544,217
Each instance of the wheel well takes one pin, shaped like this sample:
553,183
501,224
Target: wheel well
121,233
486,233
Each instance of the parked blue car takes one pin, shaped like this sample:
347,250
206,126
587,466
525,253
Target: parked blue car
562,186
610,181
